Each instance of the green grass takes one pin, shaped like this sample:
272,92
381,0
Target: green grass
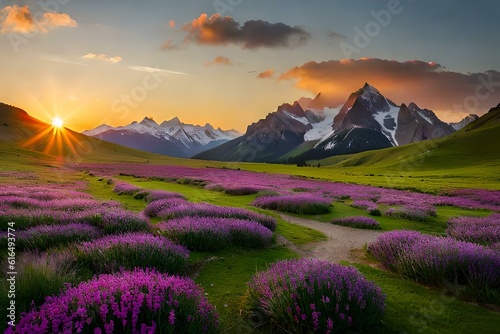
413,308
434,225
225,281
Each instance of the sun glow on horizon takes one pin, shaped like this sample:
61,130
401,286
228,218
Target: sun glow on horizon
57,122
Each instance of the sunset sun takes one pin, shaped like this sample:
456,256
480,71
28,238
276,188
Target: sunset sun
57,122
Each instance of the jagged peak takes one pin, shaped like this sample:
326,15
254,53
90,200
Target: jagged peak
367,88
295,109
148,120
172,122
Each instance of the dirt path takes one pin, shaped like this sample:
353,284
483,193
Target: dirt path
342,244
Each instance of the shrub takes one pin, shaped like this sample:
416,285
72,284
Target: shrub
45,236
437,260
121,221
161,204
169,209
480,230
304,204
207,233
123,188
413,212
308,295
132,250
143,301
364,205
153,195
358,222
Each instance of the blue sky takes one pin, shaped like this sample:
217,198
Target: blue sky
80,62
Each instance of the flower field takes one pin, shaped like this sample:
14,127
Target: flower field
90,264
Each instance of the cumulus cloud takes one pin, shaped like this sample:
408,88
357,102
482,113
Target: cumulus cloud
20,20
220,60
103,57
224,30
426,83
267,74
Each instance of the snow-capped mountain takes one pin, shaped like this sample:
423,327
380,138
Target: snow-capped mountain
370,121
270,138
171,137
366,121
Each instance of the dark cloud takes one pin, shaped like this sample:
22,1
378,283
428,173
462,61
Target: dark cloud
427,84
219,30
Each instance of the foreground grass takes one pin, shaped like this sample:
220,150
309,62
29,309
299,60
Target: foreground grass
413,308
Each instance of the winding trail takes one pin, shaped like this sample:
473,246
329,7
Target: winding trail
341,245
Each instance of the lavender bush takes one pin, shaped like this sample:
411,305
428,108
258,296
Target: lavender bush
358,222
480,230
367,205
142,301
121,221
309,295
45,236
303,204
415,212
173,208
207,233
153,195
155,207
123,188
436,260
132,250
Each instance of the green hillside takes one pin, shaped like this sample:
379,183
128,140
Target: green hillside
468,158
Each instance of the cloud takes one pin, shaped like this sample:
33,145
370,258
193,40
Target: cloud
267,74
103,57
223,30
336,36
20,20
62,60
155,70
220,60
426,83
171,24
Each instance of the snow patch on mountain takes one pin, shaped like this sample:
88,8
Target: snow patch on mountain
323,128
424,116
389,122
302,120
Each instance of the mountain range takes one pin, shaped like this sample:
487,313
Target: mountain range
171,137
367,121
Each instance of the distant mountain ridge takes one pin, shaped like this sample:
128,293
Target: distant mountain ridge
367,121
171,137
